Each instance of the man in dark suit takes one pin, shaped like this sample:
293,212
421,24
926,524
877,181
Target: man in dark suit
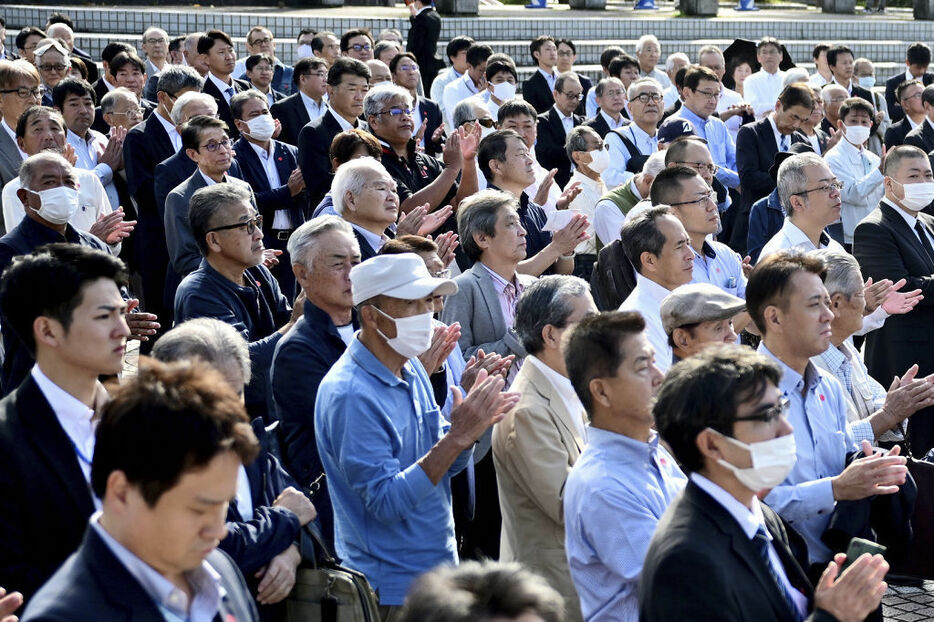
922,136
348,81
840,59
537,90
917,59
422,40
718,552
46,424
756,146
216,47
296,110
908,95
271,168
168,452
611,100
554,126
895,241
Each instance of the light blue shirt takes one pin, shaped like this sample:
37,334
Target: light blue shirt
172,602
372,427
616,174
719,143
614,497
823,439
719,265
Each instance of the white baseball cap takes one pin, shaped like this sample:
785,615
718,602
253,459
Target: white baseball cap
402,276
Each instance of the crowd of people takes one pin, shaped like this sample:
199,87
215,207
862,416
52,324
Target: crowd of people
652,347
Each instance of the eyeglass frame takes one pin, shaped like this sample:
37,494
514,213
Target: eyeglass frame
710,195
251,225
130,114
360,47
835,185
213,147
396,111
644,98
711,168
35,92
61,67
768,415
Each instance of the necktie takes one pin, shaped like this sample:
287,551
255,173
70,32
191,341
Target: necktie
783,144
230,92
761,542
922,233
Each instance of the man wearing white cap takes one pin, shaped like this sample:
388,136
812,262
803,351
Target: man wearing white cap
387,451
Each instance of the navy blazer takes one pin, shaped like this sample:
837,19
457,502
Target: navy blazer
755,154
269,199
600,126
45,501
292,115
314,144
895,109
765,220
301,360
549,149
95,585
23,239
223,108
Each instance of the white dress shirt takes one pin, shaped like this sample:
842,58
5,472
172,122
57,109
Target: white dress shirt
608,219
314,109
281,219
549,77
375,241
910,220
613,123
221,86
341,120
858,169
244,498
729,97
92,202
567,121
565,389
670,96
779,137
762,90
616,174
585,203
647,298
443,79
88,151
171,130
456,92
817,80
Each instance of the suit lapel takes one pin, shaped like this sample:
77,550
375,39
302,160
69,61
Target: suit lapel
250,161
909,238
9,153
556,403
769,135
488,292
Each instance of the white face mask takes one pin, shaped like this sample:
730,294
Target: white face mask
856,134
261,127
599,160
413,334
504,91
918,196
58,205
867,82
303,51
772,461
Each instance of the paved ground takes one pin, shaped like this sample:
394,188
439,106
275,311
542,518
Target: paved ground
909,604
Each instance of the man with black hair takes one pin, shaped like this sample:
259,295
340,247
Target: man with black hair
456,53
922,136
472,82
917,59
27,39
555,125
357,43
840,59
606,56
104,84
168,452
307,102
216,48
537,90
406,72
762,88
75,331
5,53
326,46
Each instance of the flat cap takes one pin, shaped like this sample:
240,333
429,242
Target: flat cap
696,303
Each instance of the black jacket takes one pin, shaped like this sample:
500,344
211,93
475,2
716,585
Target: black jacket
536,91
921,137
549,149
422,41
895,109
293,116
223,108
314,144
897,133
269,199
755,154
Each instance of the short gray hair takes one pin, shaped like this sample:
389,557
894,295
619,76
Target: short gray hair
477,214
351,177
549,300
303,240
109,100
210,340
379,97
710,49
827,90
577,139
565,77
670,61
174,78
792,178
642,82
464,111
795,74
605,83
843,273
208,201
32,165
647,39
178,110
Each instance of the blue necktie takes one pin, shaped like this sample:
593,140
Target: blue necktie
783,146
761,542
230,92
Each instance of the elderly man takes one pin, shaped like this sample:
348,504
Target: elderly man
159,526
19,89
631,146
624,479
322,252
611,98
731,107
537,443
719,552
155,46
386,449
659,248
260,40
53,65
832,95
588,153
231,284
865,396
697,315
922,136
648,51
271,168
613,207
690,151
419,178
120,108
556,123
64,32
518,115
365,196
788,302
76,331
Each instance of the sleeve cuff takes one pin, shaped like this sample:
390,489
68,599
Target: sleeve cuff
861,431
415,484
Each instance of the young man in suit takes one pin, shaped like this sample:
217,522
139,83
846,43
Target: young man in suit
537,90
165,467
922,136
422,40
556,123
756,146
216,49
271,168
76,331
908,95
840,59
104,83
718,551
897,241
310,76
538,441
348,83
917,59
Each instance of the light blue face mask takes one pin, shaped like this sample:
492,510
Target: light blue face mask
867,82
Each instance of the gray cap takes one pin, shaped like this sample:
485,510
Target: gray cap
696,303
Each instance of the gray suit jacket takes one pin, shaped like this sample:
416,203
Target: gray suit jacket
476,307
184,255
10,160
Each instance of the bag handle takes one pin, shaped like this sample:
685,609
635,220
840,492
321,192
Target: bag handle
312,531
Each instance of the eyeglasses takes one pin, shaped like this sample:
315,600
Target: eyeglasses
319,74
153,41
263,41
707,94
361,47
213,146
409,67
250,225
907,97
25,92
647,97
837,100
130,114
706,196
574,96
565,53
397,112
834,186
701,167
612,93
485,122
58,67
769,414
